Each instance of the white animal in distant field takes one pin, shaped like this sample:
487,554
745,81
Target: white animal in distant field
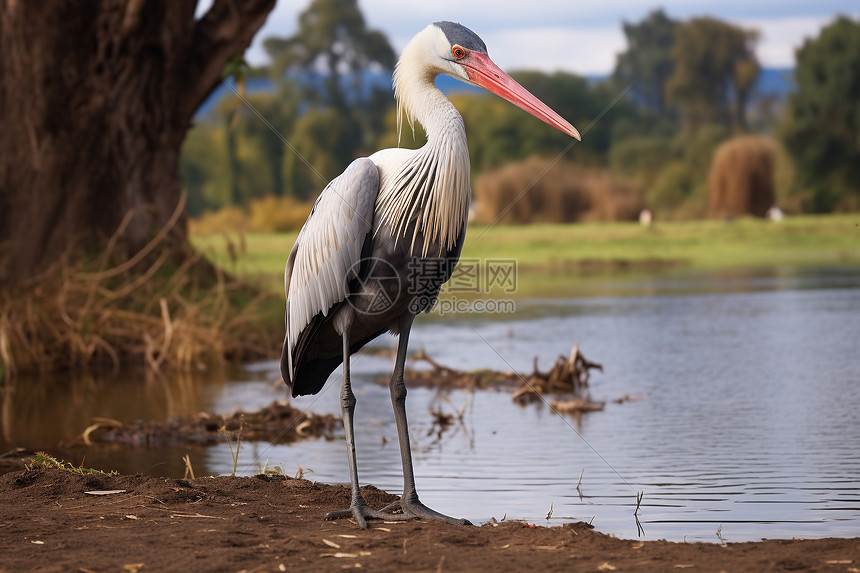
775,214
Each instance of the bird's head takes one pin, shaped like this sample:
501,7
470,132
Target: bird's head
452,49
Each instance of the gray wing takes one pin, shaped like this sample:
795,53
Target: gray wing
327,252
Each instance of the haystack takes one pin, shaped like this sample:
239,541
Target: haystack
741,180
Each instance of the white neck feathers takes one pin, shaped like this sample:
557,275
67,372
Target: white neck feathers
432,185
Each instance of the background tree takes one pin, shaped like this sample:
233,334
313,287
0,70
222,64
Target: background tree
824,117
96,97
333,59
715,70
648,63
256,150
280,109
327,141
332,44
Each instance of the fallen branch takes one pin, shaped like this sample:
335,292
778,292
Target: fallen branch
569,375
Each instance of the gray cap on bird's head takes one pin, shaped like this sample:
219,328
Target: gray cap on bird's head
459,34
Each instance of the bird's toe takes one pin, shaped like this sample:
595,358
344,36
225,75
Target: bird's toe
421,511
362,513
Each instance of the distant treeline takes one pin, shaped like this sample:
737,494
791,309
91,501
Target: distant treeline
650,131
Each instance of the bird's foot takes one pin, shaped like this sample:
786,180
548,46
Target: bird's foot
414,509
362,512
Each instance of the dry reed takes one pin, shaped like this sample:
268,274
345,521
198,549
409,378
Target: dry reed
539,191
149,309
741,179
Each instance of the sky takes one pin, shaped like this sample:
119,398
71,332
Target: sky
579,36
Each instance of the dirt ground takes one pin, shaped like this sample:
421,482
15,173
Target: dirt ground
48,522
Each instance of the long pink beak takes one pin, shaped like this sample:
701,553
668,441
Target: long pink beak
483,72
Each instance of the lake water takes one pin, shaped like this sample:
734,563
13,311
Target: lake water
747,422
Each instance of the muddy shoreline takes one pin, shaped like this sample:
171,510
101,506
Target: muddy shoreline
278,422
52,521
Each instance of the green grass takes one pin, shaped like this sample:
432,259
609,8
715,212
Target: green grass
700,244
253,256
600,247
43,460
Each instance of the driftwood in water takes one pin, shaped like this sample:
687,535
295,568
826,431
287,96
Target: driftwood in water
569,375
440,376
576,406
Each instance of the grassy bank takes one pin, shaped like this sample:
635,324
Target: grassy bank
804,240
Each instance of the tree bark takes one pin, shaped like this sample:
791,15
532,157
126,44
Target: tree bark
96,97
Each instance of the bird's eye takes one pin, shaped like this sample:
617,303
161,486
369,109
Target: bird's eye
458,52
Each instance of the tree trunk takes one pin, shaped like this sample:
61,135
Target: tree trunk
96,97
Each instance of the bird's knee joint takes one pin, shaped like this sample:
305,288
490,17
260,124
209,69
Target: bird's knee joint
347,401
398,389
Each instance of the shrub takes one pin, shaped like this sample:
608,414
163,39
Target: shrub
640,158
674,186
679,190
267,214
278,214
229,219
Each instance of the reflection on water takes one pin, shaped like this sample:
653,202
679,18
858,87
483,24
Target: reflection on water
749,419
51,412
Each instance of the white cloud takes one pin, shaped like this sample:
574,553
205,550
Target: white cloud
577,36
549,49
780,38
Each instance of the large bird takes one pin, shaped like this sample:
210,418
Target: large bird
385,235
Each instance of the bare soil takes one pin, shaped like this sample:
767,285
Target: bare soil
49,522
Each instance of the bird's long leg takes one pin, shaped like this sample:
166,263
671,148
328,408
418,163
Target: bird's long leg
358,508
409,502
